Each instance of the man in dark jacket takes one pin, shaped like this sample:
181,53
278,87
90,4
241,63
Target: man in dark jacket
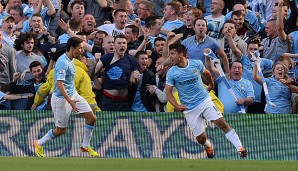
244,30
29,86
142,100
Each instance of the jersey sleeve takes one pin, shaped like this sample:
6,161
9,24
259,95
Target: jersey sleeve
250,90
61,68
170,78
215,46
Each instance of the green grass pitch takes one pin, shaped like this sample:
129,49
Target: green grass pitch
103,164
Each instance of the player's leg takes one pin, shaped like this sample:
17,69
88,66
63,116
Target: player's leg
87,113
202,139
197,125
212,113
90,119
61,110
231,135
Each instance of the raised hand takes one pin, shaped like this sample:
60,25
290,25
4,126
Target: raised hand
64,26
16,76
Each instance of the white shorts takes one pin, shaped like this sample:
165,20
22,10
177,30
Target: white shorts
62,109
196,117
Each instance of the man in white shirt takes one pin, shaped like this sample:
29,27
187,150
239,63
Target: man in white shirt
216,19
120,18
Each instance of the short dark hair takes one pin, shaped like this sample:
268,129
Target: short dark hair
159,39
119,10
76,2
242,2
174,6
134,29
101,32
73,42
179,48
34,64
254,40
194,23
139,53
237,13
18,44
151,21
236,61
230,21
273,21
119,36
37,15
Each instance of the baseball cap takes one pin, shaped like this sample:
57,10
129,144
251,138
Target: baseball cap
8,17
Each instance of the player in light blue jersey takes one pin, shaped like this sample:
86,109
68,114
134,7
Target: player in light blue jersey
65,99
196,104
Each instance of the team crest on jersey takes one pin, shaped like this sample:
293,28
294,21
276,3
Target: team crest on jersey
196,72
61,72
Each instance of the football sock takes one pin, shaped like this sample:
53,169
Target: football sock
207,143
87,135
48,137
234,139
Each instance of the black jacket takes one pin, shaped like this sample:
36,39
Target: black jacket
24,87
147,99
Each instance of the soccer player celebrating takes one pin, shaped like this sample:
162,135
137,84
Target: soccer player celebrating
65,99
196,103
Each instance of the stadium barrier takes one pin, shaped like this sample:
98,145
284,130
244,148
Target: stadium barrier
150,135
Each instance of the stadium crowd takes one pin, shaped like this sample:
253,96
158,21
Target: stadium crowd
250,48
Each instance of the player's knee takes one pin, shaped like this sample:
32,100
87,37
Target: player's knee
91,119
222,124
201,139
